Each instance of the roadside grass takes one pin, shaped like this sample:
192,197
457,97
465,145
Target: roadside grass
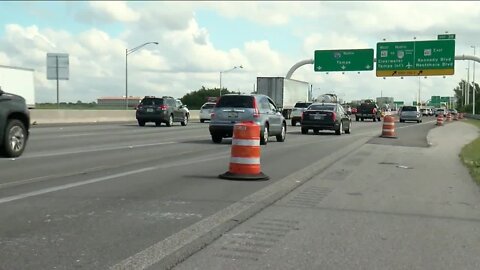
470,154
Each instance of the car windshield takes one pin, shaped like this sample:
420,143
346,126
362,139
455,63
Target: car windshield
235,102
152,101
409,109
208,106
302,104
322,108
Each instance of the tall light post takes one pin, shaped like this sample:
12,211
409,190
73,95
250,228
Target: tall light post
127,52
473,80
225,71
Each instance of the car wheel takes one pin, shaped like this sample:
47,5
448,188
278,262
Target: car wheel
339,130
141,123
283,134
264,135
15,138
202,120
374,119
170,121
304,130
347,131
216,138
356,119
185,121
402,121
158,124
294,123
316,131
362,119
379,119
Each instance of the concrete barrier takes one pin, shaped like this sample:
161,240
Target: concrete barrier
87,116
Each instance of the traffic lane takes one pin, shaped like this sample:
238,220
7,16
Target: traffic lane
57,138
138,209
408,134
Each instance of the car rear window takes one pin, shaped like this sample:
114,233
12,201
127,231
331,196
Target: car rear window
322,108
235,102
152,101
302,104
409,109
208,106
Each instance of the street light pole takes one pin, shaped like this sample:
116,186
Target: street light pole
474,89
225,71
127,52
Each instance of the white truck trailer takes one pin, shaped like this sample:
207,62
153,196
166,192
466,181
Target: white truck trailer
284,92
18,81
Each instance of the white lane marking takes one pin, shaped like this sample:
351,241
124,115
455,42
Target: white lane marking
221,155
81,151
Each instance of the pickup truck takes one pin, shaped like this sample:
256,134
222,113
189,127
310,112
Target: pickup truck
14,124
368,110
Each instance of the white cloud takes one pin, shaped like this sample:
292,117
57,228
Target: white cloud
114,11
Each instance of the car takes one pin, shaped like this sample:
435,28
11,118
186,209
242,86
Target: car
410,113
326,116
347,109
430,111
297,111
183,107
424,111
452,111
161,110
206,111
440,111
14,124
368,110
234,108
354,110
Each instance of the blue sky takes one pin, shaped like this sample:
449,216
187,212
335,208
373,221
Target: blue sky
199,39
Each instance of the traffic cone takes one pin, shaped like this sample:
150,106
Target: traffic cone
388,129
245,153
440,120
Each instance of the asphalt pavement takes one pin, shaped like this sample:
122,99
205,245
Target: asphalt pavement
92,196
386,205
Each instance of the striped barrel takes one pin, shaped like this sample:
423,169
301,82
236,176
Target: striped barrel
388,129
449,117
245,153
440,120
455,117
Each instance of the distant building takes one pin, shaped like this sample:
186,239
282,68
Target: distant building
118,101
385,102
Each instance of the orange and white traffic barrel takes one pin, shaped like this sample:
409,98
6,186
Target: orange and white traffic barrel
455,117
449,117
460,116
440,120
388,129
245,153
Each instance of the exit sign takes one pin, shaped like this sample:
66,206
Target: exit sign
446,36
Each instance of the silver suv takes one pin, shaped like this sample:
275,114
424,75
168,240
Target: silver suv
410,113
297,111
261,109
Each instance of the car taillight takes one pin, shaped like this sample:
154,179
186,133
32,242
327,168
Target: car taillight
163,107
374,110
303,115
334,116
256,113
138,107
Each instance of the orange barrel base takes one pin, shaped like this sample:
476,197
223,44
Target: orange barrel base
235,176
388,128
439,121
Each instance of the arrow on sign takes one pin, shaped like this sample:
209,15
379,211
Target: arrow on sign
367,66
343,67
319,67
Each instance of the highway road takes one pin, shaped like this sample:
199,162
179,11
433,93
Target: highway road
91,196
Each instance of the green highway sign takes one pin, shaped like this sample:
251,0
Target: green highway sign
415,58
399,102
446,36
343,60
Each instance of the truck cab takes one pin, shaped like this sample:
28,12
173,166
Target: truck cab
368,110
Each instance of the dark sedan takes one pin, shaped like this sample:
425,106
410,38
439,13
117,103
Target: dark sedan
326,116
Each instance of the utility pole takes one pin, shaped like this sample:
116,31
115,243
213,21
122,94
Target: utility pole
474,88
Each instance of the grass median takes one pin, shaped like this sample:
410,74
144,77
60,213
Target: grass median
470,154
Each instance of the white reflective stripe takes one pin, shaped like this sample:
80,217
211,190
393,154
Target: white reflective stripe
388,123
388,130
244,142
240,160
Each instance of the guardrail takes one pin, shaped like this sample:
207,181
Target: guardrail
87,116
473,116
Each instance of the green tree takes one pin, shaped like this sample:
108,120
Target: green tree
460,95
195,99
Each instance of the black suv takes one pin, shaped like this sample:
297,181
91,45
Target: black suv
14,124
161,109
